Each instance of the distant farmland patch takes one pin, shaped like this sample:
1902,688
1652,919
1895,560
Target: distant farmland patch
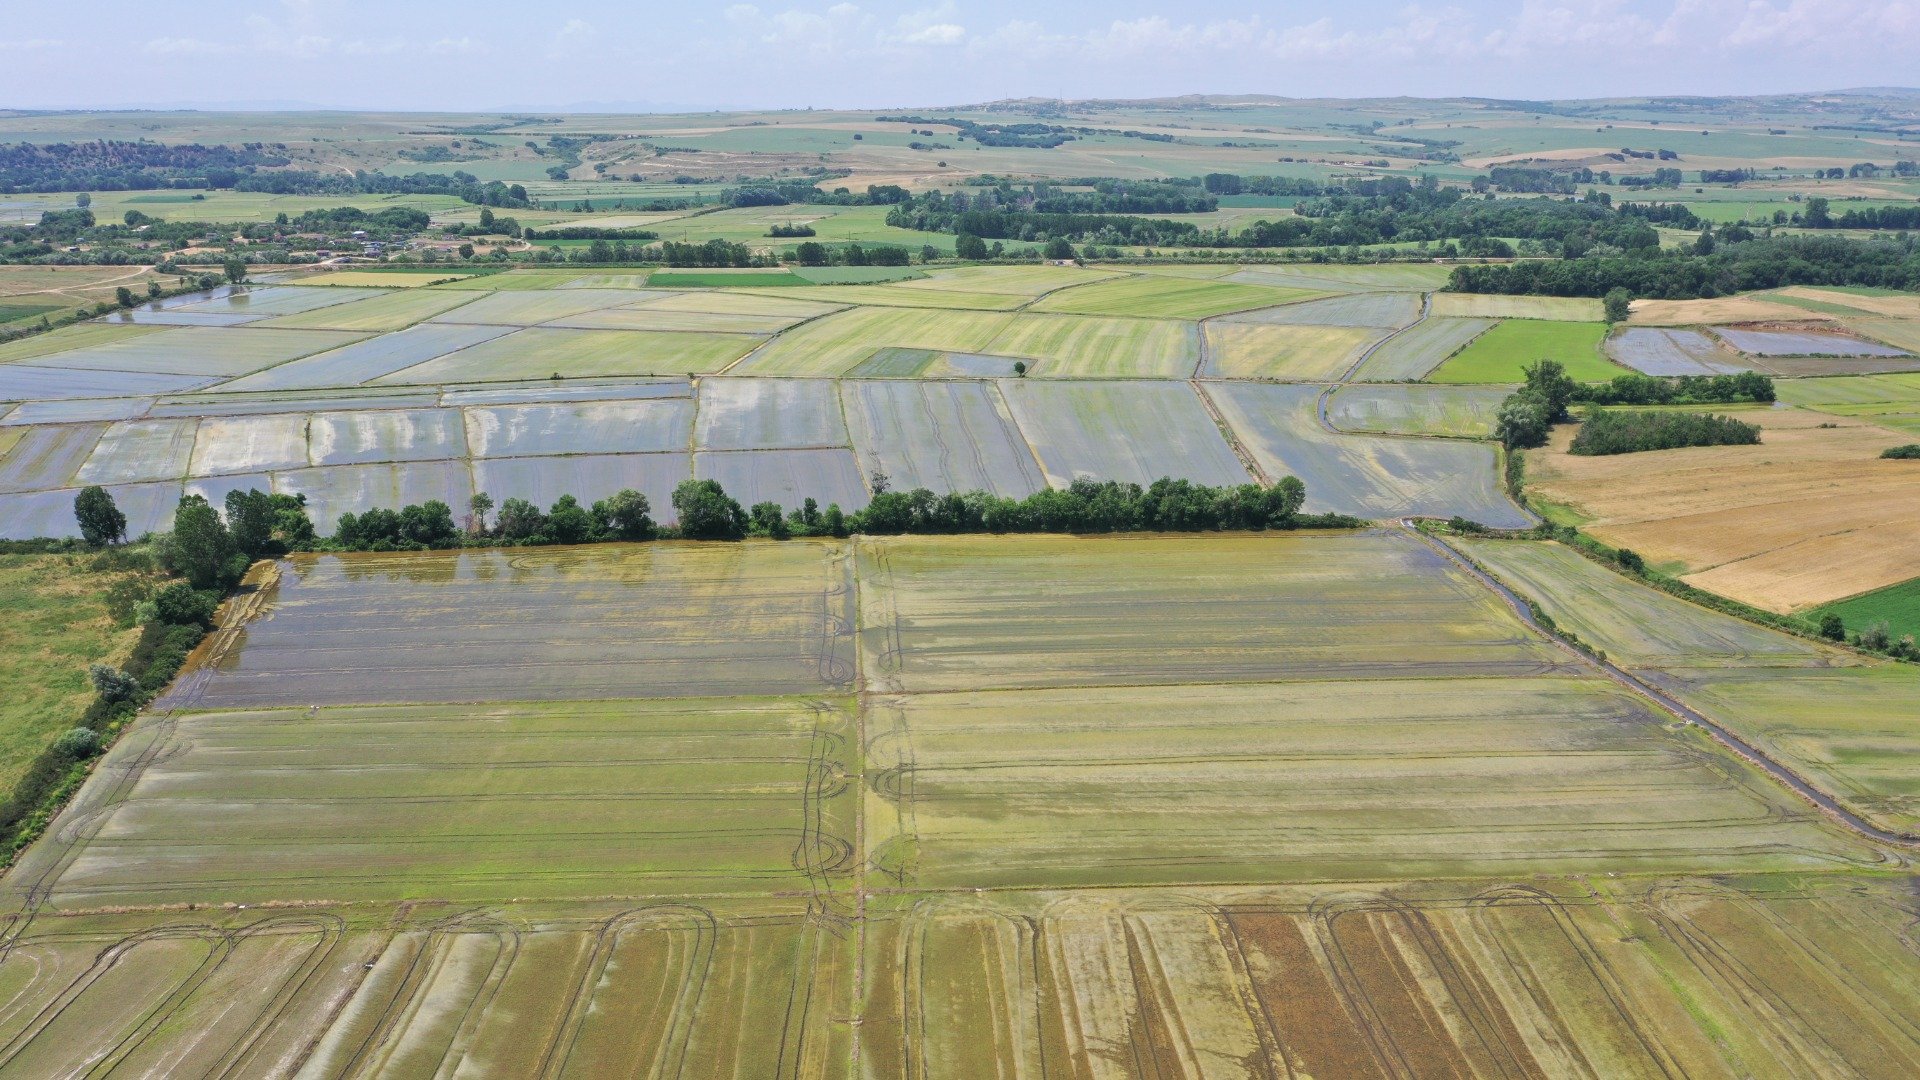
1500,354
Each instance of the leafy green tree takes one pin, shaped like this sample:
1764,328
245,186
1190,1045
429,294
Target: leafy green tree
250,521
625,515
199,548
101,522
1548,381
1521,422
1059,248
1832,628
569,522
236,270
124,297
1618,304
969,246
811,253
520,520
479,507
707,512
766,519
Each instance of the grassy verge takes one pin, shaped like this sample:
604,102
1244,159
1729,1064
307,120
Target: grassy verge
63,614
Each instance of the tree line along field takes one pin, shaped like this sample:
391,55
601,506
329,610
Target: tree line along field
947,806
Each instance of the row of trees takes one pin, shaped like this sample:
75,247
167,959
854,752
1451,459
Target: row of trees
1526,416
1734,264
211,551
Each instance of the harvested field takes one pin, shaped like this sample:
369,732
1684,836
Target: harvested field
943,436
829,477
1637,626
352,438
531,308
1791,343
384,312
365,361
587,477
674,620
1249,350
1416,351
576,354
836,344
1163,298
1641,980
1221,784
1136,432
1482,306
201,351
1810,515
1501,354
1068,346
976,613
1719,310
1366,476
1672,352
1461,412
768,414
1380,309
591,427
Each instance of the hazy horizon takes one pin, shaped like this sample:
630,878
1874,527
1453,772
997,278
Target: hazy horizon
488,56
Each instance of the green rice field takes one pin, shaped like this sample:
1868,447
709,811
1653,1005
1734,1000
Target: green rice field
1498,355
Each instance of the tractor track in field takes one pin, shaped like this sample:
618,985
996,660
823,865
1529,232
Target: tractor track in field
1672,706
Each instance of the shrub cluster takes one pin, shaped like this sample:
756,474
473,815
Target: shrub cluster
1910,450
1528,413
1632,432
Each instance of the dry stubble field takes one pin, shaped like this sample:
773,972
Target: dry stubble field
616,811
1810,515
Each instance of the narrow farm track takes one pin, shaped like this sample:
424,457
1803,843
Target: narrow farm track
1667,704
1426,309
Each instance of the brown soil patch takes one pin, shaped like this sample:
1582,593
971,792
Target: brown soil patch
1810,515
1719,310
1896,307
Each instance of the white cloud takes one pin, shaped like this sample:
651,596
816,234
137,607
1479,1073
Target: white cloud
460,46
575,39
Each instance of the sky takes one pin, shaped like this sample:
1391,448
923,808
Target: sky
511,54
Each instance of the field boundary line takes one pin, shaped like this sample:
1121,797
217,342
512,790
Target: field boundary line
1667,704
1240,450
